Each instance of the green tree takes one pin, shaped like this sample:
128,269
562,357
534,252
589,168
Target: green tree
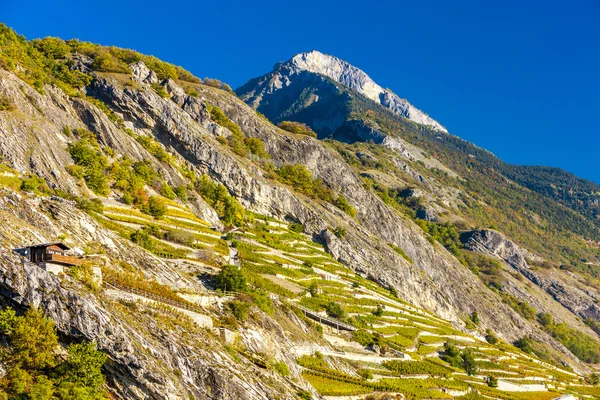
232,279
335,310
475,318
157,207
33,341
468,362
524,344
81,375
492,381
490,337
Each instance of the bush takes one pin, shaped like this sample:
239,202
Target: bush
227,207
335,310
76,171
86,154
240,309
475,318
162,92
342,203
232,279
142,238
297,128
157,207
35,369
492,381
181,192
468,362
167,191
35,184
94,205
6,104
282,368
340,232
490,337
256,147
296,227
524,344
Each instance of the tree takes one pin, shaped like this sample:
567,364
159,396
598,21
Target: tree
492,381
81,375
33,341
475,318
141,238
468,362
335,310
524,344
157,207
378,312
231,279
545,319
451,355
490,337
34,369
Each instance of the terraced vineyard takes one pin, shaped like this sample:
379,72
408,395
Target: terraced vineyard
179,234
396,347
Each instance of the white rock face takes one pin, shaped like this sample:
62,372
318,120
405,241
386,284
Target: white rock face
354,78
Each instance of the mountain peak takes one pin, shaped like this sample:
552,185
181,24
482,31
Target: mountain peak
348,75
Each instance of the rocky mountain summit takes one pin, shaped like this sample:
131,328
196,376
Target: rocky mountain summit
244,260
314,62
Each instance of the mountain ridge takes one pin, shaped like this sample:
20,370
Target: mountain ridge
348,75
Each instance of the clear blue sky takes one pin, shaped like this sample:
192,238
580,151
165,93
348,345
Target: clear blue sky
519,78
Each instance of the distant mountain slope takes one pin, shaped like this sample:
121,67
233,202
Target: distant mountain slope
339,101
292,72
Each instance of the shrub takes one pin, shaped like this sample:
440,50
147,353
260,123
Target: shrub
256,147
524,344
6,104
468,362
335,310
181,192
35,184
240,309
162,92
157,207
300,178
490,337
296,227
475,318
94,205
227,207
545,319
297,128
282,368
142,238
86,154
76,171
378,312
231,278
340,232
492,381
167,191
451,355
342,203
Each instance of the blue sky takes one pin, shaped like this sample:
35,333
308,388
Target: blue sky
519,78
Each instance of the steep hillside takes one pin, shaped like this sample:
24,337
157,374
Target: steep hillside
243,261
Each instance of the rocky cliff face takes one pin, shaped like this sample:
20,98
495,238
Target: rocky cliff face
583,303
286,74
